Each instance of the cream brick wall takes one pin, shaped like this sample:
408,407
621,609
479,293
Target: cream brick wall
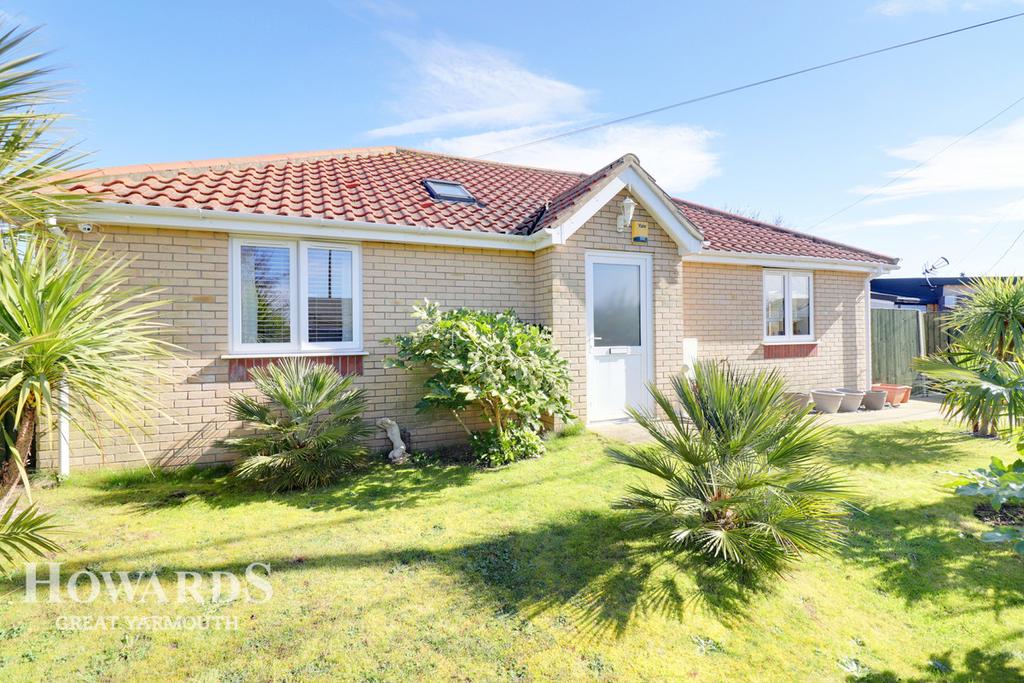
568,315
722,309
719,305
192,267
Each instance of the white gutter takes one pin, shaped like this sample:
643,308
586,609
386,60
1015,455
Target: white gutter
874,268
176,218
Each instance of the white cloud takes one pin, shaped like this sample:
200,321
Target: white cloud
473,100
676,155
985,161
1006,213
896,8
899,8
473,88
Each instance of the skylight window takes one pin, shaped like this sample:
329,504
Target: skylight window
448,190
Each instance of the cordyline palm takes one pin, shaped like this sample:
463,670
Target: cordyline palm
736,470
309,426
34,164
25,534
69,319
989,328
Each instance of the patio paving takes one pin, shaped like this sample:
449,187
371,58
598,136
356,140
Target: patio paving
922,408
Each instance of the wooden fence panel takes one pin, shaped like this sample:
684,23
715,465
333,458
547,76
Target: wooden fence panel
936,338
895,342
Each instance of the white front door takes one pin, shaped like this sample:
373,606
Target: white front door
619,343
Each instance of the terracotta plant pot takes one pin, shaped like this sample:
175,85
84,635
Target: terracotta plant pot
874,400
851,400
895,393
826,400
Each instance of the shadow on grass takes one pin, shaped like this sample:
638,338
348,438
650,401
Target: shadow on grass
977,666
381,487
923,552
588,571
896,444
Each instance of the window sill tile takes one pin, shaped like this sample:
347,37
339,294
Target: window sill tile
294,354
776,342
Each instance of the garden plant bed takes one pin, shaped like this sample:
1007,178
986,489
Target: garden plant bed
1007,515
448,572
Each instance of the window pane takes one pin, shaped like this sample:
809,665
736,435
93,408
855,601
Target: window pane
330,295
266,295
775,305
800,288
616,305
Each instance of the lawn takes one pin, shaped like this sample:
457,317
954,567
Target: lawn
451,573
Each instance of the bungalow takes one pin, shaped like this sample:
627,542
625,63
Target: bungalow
323,255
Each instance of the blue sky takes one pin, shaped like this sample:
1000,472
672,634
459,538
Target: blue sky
205,79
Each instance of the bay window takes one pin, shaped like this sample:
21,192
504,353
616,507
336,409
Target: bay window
788,306
292,296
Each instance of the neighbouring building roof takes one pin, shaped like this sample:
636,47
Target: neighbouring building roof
385,185
919,290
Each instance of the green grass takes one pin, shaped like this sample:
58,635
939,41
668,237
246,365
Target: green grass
524,573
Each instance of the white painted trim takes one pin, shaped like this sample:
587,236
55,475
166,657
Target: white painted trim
64,431
867,332
648,195
646,263
804,262
298,311
174,218
787,307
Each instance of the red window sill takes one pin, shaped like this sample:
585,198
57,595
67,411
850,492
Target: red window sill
793,350
238,368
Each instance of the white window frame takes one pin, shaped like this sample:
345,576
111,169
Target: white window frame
787,306
299,303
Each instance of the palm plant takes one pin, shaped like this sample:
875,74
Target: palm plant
737,471
25,534
309,427
70,323
34,163
989,326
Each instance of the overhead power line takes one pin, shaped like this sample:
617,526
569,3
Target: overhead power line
910,170
1008,250
747,86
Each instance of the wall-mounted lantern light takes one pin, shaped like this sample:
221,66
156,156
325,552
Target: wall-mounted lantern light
626,217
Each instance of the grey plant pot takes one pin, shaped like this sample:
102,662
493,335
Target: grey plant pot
851,399
874,400
799,399
826,400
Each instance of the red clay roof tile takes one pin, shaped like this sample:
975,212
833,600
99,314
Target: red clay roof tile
384,185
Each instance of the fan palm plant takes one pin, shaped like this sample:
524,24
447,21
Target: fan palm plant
989,328
308,422
69,322
736,471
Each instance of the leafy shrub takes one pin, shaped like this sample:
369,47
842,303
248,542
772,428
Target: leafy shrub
509,370
1001,484
310,429
738,470
515,443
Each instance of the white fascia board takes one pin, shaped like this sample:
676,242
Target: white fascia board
668,216
175,218
685,235
805,262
